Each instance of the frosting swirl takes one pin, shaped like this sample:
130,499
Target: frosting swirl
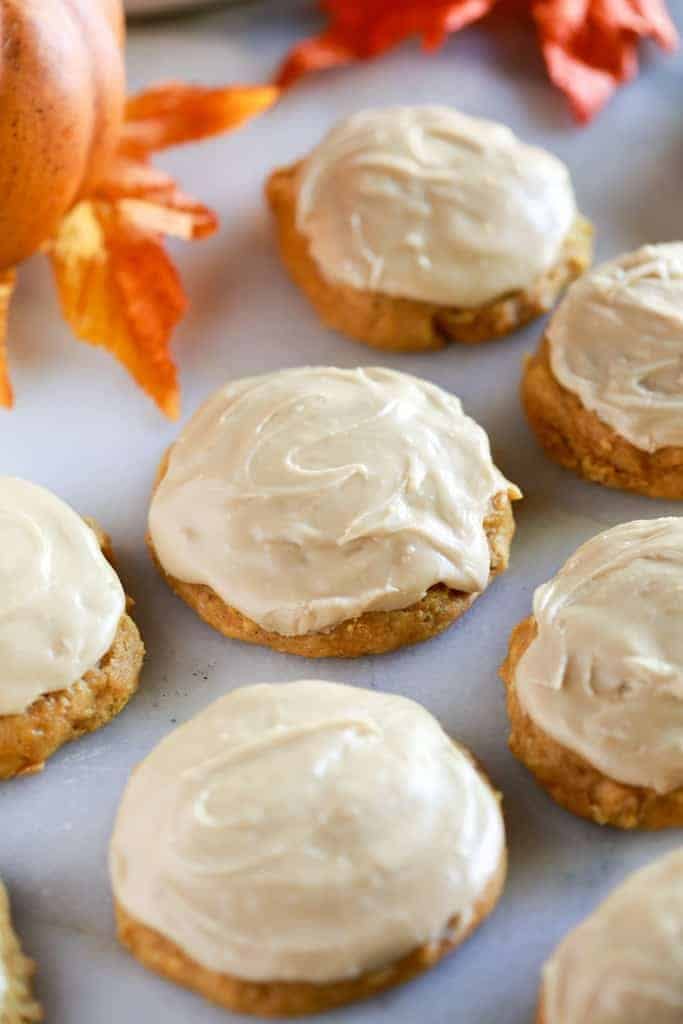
60,600
306,497
624,964
604,674
305,831
616,341
426,203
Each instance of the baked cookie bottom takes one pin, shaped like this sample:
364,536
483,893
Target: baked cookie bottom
280,998
18,1005
370,633
575,437
29,738
569,778
293,998
409,325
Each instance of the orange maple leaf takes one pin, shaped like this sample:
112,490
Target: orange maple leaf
589,46
118,288
117,285
172,113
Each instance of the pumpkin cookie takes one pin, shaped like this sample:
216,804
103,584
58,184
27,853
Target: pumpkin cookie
302,845
70,655
411,227
331,513
624,963
604,393
594,679
17,1005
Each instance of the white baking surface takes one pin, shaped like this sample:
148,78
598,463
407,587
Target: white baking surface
81,428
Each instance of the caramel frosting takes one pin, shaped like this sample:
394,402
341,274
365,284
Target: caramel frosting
306,831
426,203
624,964
616,341
604,674
60,600
306,497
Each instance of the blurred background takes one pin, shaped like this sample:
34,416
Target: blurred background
151,7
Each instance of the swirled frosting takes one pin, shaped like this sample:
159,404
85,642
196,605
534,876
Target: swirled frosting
616,341
624,964
305,831
426,203
604,674
306,497
60,600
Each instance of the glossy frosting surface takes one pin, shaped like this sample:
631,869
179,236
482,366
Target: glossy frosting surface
306,497
427,203
305,831
616,341
60,600
604,675
624,964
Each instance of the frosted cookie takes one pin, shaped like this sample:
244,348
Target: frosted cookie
595,679
302,845
70,655
624,963
327,512
17,1004
604,393
411,227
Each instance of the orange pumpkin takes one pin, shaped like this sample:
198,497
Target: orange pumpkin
62,92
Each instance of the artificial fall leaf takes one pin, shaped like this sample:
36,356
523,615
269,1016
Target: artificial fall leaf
139,188
173,113
589,46
119,289
117,286
359,30
7,278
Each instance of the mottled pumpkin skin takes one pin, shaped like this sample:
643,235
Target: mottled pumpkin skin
62,93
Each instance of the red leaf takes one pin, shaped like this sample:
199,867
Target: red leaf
360,30
589,46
